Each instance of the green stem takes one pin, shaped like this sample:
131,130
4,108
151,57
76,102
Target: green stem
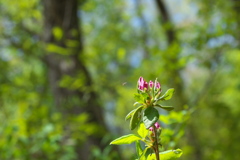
156,143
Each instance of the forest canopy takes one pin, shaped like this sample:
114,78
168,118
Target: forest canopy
69,68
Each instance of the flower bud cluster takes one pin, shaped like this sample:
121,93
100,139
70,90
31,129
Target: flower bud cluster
143,85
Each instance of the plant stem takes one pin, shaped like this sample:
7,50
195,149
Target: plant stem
156,143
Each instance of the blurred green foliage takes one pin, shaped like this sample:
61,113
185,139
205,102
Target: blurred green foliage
120,45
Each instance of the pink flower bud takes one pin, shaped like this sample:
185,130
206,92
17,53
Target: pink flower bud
142,84
157,85
151,84
145,85
151,128
157,125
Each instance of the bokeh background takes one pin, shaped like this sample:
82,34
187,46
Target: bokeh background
68,72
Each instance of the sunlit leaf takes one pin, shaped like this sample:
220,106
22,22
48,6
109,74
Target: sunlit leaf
139,98
167,155
167,95
127,139
142,131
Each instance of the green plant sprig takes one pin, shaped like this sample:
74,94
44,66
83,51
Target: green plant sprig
146,117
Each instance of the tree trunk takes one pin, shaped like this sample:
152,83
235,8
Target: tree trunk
65,59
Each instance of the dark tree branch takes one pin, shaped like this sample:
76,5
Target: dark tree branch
171,35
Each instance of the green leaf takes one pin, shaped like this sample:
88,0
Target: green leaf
127,139
139,149
139,98
142,131
58,33
129,115
145,96
136,103
168,94
150,116
146,152
57,49
168,108
167,155
135,118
